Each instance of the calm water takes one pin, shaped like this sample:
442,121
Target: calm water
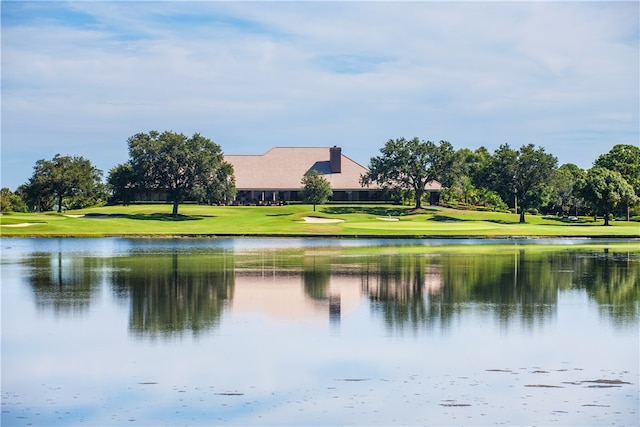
318,332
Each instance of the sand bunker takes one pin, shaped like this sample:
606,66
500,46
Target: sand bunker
22,224
315,220
388,219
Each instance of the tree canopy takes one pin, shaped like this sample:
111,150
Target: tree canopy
174,167
533,169
316,189
626,160
410,165
64,178
604,189
11,202
175,164
564,199
522,176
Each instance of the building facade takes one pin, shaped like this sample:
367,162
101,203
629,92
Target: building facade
275,176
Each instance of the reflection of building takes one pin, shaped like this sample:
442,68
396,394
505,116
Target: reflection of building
281,296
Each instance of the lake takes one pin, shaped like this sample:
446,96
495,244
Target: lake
319,332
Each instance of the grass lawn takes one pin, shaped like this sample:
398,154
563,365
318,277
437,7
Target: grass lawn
356,221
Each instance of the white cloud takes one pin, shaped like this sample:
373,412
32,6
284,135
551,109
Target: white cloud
250,75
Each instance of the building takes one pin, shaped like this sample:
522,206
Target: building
275,176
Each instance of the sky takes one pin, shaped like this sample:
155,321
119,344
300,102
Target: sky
80,78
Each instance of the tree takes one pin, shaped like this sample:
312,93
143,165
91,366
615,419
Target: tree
221,187
626,160
35,197
122,179
11,202
462,190
491,199
604,189
533,169
500,174
316,189
564,198
410,165
478,167
64,177
522,176
173,163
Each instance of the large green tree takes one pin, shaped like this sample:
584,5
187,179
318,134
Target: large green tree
123,183
315,189
64,178
220,188
522,176
625,159
533,169
183,167
500,172
11,202
605,189
564,198
410,165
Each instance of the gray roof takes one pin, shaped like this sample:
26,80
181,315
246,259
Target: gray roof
282,168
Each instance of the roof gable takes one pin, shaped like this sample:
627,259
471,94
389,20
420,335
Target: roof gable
282,168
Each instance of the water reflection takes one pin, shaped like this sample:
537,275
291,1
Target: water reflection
173,293
508,335
170,293
613,281
404,290
65,285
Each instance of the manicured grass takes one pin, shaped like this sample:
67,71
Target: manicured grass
358,221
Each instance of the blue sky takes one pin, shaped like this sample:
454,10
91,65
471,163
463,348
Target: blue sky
79,78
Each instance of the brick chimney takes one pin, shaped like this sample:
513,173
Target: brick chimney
335,157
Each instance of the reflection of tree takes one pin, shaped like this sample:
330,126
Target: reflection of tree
420,291
396,287
517,284
64,284
613,280
317,277
174,293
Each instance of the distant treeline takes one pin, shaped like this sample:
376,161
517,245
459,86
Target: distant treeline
179,168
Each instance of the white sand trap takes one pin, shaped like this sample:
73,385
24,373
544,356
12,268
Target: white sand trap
389,219
315,220
75,216
22,224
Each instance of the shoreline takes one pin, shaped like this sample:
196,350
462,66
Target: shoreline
325,236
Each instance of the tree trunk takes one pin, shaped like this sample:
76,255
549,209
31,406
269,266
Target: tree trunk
60,203
314,207
521,216
606,218
418,199
174,213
